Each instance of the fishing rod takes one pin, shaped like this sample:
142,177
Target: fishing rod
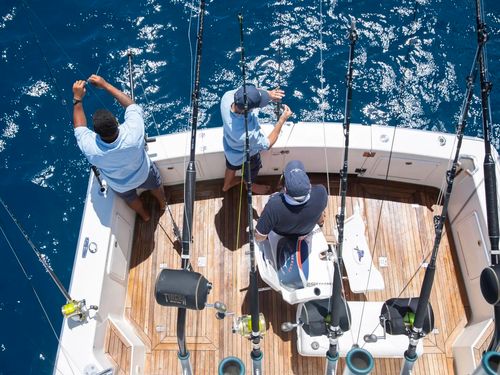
335,304
189,196
255,336
184,288
340,218
277,111
490,275
77,310
424,309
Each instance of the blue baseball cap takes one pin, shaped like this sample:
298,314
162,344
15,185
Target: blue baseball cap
257,98
297,182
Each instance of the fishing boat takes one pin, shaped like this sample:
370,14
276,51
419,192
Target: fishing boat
162,302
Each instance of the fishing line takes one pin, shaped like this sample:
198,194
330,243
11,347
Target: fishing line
322,93
279,103
148,103
45,60
30,10
386,179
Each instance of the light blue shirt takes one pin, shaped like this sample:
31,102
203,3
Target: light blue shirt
124,162
234,132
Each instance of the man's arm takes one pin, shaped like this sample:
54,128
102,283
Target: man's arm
120,96
273,136
258,236
79,118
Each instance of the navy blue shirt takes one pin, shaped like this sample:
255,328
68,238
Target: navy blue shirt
287,220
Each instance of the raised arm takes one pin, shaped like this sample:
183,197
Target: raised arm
120,96
273,136
79,118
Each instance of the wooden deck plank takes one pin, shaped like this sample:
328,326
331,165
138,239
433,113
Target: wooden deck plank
401,212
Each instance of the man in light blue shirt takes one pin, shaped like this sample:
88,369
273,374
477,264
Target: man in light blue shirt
118,150
233,118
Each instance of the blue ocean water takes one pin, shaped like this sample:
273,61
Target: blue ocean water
412,58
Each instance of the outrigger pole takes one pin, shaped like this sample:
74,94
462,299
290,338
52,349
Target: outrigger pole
255,336
490,275
336,303
417,330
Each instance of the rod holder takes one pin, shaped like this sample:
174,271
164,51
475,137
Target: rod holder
358,362
231,366
490,364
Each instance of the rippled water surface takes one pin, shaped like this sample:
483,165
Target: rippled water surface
411,61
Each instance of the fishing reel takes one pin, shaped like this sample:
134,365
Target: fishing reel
77,310
243,325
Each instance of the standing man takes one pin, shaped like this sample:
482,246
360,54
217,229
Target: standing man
296,210
118,150
233,118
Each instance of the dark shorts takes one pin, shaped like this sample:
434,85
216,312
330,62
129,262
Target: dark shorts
255,166
152,182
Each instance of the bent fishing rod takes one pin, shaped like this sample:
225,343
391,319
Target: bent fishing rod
255,335
74,309
490,275
417,330
336,304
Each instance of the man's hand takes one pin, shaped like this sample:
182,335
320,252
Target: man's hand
276,95
98,81
287,112
79,89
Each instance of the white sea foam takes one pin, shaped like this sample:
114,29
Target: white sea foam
151,32
8,17
41,177
38,89
11,128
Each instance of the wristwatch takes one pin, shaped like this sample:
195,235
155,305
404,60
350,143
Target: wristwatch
76,101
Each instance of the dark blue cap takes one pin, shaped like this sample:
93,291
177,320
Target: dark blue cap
297,182
257,98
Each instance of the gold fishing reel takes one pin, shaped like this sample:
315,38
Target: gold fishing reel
243,325
77,310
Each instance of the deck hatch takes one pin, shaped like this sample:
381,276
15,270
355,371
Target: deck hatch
120,246
472,244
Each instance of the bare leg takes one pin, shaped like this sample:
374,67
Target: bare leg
138,207
230,179
159,194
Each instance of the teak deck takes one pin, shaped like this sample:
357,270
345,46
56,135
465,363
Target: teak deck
399,222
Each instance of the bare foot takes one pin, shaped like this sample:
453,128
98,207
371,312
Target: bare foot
231,184
261,189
